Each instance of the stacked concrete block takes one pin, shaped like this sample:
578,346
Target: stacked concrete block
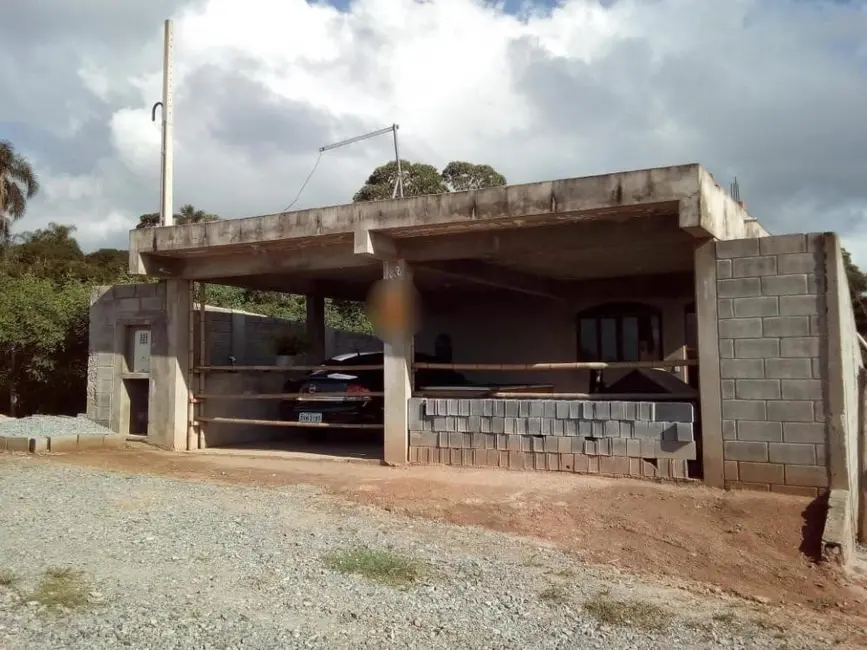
771,306
608,437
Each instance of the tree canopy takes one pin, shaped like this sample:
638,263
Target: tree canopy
420,179
187,214
18,184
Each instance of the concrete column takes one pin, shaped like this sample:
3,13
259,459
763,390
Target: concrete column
169,368
396,381
710,387
316,329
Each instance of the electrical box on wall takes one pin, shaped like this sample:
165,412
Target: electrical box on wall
140,359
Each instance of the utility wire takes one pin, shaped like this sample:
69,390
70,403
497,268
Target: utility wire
309,176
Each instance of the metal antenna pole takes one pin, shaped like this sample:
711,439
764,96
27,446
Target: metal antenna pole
398,186
166,174
399,182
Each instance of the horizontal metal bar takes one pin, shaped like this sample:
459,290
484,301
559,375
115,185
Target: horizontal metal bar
281,423
284,368
285,396
575,365
643,397
358,138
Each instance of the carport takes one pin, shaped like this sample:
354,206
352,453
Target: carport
537,287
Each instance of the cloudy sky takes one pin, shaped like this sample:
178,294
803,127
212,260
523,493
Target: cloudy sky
771,91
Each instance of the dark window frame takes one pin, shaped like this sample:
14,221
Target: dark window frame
619,312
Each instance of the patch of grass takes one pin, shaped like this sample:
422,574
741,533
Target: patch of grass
7,579
562,573
384,567
60,588
554,595
628,613
726,618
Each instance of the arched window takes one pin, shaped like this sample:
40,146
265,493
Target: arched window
620,332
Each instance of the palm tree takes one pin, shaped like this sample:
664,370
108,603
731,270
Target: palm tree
18,184
189,214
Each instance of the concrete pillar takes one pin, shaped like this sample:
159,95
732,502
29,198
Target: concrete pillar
396,382
710,387
167,425
316,329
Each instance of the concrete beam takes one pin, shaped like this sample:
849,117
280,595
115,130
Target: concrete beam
712,212
534,202
374,245
271,261
501,278
649,232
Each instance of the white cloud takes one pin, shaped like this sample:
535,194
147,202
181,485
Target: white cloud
771,92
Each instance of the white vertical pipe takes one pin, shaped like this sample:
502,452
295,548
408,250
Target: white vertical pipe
166,175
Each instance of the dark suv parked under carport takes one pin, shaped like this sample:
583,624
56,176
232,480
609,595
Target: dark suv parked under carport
352,404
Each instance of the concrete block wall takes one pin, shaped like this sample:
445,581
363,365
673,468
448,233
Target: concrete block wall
608,437
111,308
249,338
771,311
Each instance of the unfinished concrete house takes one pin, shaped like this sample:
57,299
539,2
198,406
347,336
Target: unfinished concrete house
637,324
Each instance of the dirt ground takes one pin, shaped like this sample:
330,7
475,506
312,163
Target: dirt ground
758,546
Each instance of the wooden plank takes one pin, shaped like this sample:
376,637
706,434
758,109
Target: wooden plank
576,365
283,396
286,368
636,397
282,423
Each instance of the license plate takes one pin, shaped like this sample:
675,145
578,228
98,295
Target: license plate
311,418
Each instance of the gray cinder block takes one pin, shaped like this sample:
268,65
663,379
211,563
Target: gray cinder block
562,410
673,412
534,426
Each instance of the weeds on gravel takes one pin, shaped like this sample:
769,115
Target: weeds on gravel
726,618
7,579
627,613
60,588
380,566
554,595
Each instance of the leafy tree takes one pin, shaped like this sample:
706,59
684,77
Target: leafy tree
419,179
187,214
18,184
459,176
857,287
41,322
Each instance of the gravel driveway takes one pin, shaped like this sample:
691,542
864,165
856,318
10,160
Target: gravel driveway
150,562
